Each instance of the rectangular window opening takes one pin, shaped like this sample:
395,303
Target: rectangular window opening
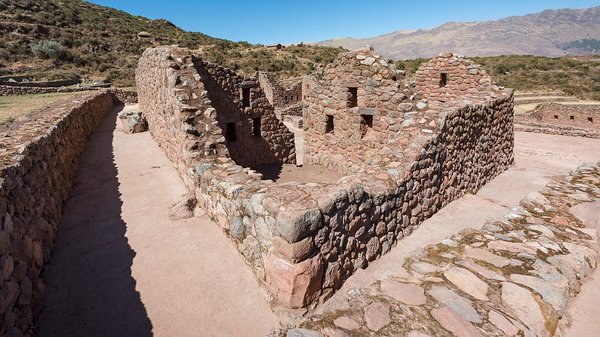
590,119
352,97
572,118
256,132
366,124
443,80
245,97
230,134
329,124
555,116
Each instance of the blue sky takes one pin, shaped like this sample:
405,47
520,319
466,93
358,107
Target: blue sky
292,21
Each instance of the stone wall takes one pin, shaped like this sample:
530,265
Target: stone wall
357,220
304,239
562,119
449,77
579,116
6,90
279,95
125,97
273,144
334,130
37,163
47,84
176,92
514,277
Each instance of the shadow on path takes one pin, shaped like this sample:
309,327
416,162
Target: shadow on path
90,290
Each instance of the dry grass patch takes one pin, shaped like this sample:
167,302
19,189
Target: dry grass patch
13,107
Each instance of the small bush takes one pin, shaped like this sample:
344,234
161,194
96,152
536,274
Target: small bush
50,49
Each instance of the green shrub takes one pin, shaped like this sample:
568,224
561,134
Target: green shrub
50,49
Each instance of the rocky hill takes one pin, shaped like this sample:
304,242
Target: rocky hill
54,39
549,33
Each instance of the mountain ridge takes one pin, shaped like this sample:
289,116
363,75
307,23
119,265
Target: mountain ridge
542,34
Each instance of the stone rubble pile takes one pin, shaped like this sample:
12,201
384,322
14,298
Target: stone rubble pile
512,278
133,121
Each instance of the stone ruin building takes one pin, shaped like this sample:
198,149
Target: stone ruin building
404,148
285,96
555,118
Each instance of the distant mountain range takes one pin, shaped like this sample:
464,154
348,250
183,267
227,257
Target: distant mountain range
549,33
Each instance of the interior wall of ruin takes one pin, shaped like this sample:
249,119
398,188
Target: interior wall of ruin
38,162
271,142
174,97
278,95
449,77
336,135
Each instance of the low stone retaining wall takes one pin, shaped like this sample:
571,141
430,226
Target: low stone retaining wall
6,90
523,125
124,96
512,278
37,163
47,84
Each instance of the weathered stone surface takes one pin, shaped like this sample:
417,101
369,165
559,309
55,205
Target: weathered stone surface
549,292
455,323
523,305
406,293
294,285
467,282
38,162
346,323
457,303
483,271
294,252
296,225
377,316
486,256
512,247
303,333
587,213
502,323
133,121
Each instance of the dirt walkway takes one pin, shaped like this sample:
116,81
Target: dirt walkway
122,268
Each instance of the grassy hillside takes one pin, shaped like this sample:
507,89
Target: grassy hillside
54,39
577,76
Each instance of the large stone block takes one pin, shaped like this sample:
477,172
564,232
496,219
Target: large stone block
294,285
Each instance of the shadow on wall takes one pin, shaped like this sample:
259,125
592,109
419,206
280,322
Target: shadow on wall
244,147
90,290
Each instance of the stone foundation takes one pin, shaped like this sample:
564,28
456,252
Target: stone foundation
38,161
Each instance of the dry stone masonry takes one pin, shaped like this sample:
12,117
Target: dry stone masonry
37,163
404,157
514,277
562,119
449,77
